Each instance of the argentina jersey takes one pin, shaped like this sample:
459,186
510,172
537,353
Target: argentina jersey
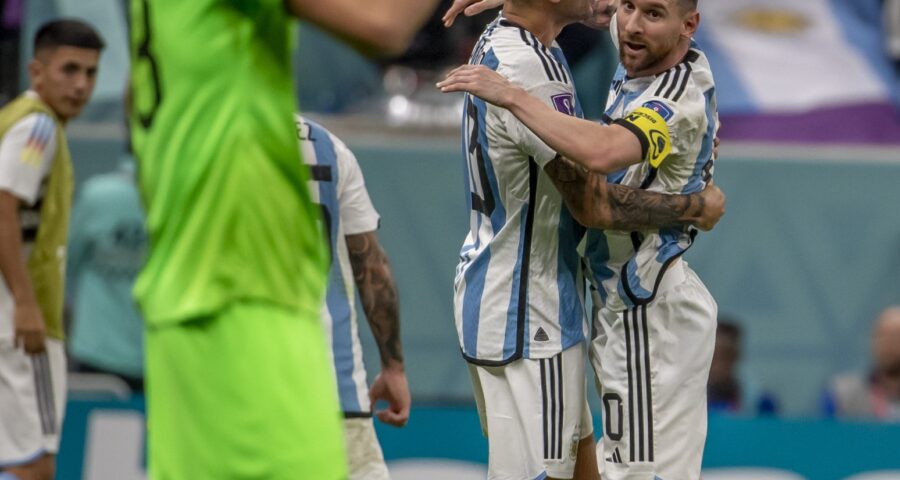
336,185
517,290
627,267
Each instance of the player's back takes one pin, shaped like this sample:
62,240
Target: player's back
629,266
517,290
228,211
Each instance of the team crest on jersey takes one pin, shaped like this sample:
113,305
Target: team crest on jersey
664,111
564,102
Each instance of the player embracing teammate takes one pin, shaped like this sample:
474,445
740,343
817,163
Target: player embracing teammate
654,320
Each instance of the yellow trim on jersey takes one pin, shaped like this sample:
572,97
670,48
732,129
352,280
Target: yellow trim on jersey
656,132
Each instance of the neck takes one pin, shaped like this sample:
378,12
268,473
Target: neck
541,24
62,120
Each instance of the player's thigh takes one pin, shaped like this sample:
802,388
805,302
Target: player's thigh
532,411
248,393
32,402
652,367
364,456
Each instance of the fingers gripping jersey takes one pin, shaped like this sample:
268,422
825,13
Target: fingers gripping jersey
336,185
627,267
517,286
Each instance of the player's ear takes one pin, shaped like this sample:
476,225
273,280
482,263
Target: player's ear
690,23
35,71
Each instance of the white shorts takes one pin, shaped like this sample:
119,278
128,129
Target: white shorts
32,401
364,457
533,412
652,364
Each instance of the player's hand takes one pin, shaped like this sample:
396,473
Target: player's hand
469,8
715,148
603,12
481,82
713,203
391,386
29,326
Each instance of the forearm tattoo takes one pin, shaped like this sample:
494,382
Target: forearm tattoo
634,209
375,281
599,204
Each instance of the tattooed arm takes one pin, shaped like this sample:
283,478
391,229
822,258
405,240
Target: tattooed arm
597,204
378,292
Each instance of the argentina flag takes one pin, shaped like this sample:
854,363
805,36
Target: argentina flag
802,70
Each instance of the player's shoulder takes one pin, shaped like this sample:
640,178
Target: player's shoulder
685,85
522,58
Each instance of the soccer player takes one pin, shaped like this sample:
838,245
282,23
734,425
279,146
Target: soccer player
519,301
656,327
356,258
238,379
35,197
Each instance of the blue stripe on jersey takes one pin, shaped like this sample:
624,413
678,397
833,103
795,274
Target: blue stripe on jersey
634,283
571,305
477,272
669,243
512,312
339,306
597,249
695,183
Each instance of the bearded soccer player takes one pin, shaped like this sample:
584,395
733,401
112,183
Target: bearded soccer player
238,379
36,185
661,124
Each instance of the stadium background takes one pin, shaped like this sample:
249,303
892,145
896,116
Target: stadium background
807,255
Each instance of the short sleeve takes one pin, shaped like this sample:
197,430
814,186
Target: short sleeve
683,117
559,96
358,215
26,152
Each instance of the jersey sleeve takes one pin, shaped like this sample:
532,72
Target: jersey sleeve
681,118
561,98
358,215
26,152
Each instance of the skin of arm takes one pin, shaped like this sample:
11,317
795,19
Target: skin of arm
375,27
29,322
598,148
597,204
378,291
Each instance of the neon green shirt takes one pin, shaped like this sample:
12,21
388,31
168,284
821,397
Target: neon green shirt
229,217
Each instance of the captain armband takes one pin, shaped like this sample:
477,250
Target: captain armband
652,131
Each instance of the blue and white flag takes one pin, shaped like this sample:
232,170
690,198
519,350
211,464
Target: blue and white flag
805,67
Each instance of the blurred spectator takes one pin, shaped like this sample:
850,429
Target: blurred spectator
892,30
875,395
726,392
107,243
10,28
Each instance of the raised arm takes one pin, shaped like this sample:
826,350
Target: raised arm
376,27
375,281
597,204
599,148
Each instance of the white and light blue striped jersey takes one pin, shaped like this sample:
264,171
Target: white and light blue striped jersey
627,267
336,184
518,284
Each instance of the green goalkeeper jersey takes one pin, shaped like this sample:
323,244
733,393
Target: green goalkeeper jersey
229,216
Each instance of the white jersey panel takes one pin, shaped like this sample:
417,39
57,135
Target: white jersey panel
629,266
517,287
336,184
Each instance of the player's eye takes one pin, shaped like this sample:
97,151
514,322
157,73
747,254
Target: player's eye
628,6
654,14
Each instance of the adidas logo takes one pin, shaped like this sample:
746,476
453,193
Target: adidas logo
616,457
541,335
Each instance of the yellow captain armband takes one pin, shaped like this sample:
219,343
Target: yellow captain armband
652,131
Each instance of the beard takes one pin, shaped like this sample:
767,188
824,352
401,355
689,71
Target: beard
645,60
